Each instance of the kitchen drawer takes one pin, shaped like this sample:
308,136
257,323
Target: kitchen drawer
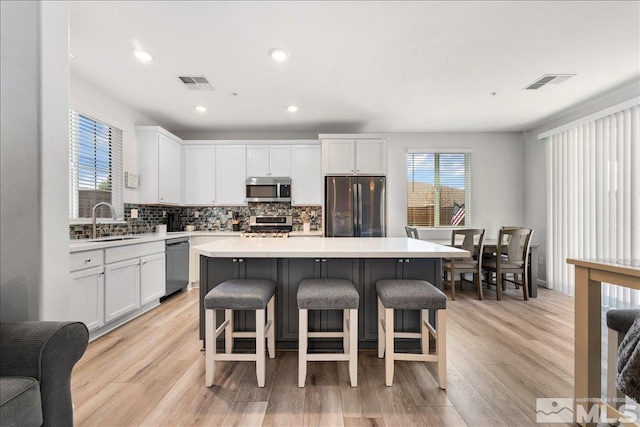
87,259
122,253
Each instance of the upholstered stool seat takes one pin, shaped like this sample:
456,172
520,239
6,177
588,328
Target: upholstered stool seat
240,294
328,294
411,295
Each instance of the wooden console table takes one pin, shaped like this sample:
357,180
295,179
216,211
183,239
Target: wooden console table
589,276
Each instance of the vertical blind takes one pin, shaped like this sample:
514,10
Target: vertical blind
439,189
593,199
95,166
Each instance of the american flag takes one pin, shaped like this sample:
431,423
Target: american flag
458,214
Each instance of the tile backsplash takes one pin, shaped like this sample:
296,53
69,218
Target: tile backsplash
204,218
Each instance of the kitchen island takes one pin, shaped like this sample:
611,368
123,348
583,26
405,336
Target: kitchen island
363,261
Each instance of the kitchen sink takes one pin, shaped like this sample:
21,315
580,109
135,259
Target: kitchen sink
114,239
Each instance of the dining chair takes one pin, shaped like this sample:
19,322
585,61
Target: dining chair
411,232
472,242
511,257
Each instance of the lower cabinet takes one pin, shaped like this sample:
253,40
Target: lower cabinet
122,288
108,284
152,278
87,296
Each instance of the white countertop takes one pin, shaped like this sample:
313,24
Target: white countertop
132,239
308,247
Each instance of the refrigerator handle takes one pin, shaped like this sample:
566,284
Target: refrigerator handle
359,210
355,218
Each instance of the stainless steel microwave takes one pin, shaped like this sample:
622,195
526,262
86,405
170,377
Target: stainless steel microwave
271,189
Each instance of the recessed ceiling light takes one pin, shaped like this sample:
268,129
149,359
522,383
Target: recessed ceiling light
292,108
278,54
142,55
201,108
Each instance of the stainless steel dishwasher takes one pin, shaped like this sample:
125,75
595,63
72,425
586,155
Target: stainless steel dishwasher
177,264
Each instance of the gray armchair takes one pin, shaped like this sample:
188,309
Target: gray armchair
36,360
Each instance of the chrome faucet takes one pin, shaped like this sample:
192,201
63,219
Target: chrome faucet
114,214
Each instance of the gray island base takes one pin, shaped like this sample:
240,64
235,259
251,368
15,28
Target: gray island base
362,261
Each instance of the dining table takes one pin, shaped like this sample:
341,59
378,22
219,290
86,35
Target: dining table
589,276
490,246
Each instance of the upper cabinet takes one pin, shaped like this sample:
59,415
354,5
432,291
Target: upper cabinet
199,175
268,160
354,156
306,175
231,175
160,166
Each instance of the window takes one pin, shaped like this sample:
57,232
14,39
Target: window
439,189
95,167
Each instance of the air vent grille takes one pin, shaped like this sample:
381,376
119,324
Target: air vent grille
196,82
548,79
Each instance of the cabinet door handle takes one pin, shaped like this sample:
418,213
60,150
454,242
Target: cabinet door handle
324,260
235,260
241,260
400,260
101,273
144,263
406,260
317,260
87,260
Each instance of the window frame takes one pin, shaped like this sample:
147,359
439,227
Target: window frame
467,180
116,144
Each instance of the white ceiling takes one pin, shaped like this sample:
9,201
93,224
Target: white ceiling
355,66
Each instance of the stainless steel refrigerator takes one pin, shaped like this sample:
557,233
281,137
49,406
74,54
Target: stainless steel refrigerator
355,206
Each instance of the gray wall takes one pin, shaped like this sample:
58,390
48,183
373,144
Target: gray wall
34,153
535,165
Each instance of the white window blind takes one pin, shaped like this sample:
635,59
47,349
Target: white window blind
593,199
439,189
95,167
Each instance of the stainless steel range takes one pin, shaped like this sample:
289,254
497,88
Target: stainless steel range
263,226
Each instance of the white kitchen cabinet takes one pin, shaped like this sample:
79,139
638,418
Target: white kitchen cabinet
152,278
306,175
86,296
121,288
268,160
159,166
338,156
199,175
354,156
231,175
371,156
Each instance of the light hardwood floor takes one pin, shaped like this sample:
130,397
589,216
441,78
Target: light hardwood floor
501,357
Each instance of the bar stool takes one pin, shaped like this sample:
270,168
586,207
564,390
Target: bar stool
240,294
411,295
328,294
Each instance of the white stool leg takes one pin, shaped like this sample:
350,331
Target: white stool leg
389,350
228,332
302,346
345,331
271,336
210,346
260,350
424,331
441,347
353,347
380,330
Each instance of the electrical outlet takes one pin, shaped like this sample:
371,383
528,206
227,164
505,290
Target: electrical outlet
540,260
134,213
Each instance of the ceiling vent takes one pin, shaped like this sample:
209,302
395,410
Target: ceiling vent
196,82
548,79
